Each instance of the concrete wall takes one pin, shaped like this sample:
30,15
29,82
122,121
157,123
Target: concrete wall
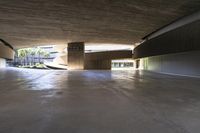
186,63
98,64
6,52
105,55
176,51
2,63
102,60
182,39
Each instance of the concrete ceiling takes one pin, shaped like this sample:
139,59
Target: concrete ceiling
36,22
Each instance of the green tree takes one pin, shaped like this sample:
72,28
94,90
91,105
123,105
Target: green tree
38,52
33,53
46,54
21,53
28,52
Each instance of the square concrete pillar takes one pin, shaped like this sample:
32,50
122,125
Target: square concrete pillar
76,55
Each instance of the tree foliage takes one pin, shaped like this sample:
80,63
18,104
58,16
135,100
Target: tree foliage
28,55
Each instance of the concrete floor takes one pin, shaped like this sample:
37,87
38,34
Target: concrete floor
39,101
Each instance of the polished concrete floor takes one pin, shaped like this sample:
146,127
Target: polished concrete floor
42,101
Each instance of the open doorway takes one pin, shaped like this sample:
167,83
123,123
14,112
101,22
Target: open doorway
41,57
124,64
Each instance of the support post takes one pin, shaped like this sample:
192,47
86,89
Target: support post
76,56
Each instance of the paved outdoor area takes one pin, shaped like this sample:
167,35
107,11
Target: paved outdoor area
45,101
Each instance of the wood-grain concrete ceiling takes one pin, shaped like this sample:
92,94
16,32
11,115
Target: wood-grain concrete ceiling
25,23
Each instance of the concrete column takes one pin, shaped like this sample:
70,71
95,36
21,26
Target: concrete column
76,56
2,63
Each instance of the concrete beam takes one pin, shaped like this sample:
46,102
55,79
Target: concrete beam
174,25
111,55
